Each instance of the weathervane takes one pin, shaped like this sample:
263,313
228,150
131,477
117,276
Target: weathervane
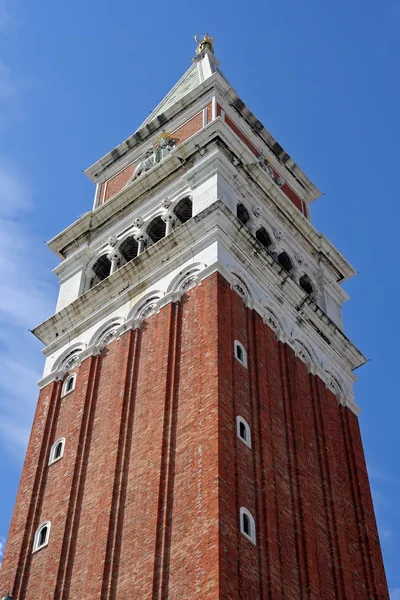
206,42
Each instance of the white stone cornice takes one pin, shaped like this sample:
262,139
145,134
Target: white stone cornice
317,362
53,376
213,224
59,374
259,177
74,263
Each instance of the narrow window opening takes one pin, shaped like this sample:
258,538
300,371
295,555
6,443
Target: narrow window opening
243,431
42,536
247,525
69,384
240,353
242,213
58,450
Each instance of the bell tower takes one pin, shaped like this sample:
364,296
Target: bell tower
196,433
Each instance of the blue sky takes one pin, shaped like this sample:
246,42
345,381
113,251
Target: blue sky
77,78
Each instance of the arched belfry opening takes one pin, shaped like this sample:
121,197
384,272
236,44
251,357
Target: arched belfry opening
156,230
306,285
285,262
129,248
263,237
101,270
242,213
184,209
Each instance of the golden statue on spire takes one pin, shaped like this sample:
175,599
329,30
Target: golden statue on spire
206,42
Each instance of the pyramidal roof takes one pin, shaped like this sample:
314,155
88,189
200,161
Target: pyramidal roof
203,66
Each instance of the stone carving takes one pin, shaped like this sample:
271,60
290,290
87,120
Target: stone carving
154,155
271,321
301,352
71,361
148,310
266,166
108,336
332,384
239,286
239,289
166,203
138,222
206,42
168,216
112,240
114,255
279,234
300,258
256,211
188,283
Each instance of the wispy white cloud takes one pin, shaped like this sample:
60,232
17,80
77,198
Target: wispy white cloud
15,195
13,85
25,300
26,294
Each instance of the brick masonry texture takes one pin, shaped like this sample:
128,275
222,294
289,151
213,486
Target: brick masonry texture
115,184
145,502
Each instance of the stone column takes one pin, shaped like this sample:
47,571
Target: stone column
114,257
169,219
141,239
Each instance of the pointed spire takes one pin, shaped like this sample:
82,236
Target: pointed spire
204,65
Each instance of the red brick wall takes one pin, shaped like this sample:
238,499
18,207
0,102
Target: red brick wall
145,502
304,479
116,183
